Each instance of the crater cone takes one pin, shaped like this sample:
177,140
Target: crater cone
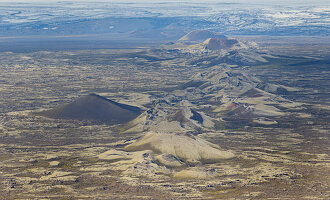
96,108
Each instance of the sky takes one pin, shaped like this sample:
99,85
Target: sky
262,2
195,1
291,3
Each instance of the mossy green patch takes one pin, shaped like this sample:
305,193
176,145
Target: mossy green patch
226,193
67,163
40,163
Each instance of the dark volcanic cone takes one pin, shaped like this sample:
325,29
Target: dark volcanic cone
94,107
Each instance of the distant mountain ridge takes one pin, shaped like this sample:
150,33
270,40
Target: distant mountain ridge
201,35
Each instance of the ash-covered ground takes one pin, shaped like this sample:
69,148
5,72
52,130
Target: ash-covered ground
240,122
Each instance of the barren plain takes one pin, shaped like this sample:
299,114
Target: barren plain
268,107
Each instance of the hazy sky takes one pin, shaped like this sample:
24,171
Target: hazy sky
195,1
292,3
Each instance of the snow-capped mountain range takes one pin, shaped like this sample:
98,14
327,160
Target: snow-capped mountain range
162,19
